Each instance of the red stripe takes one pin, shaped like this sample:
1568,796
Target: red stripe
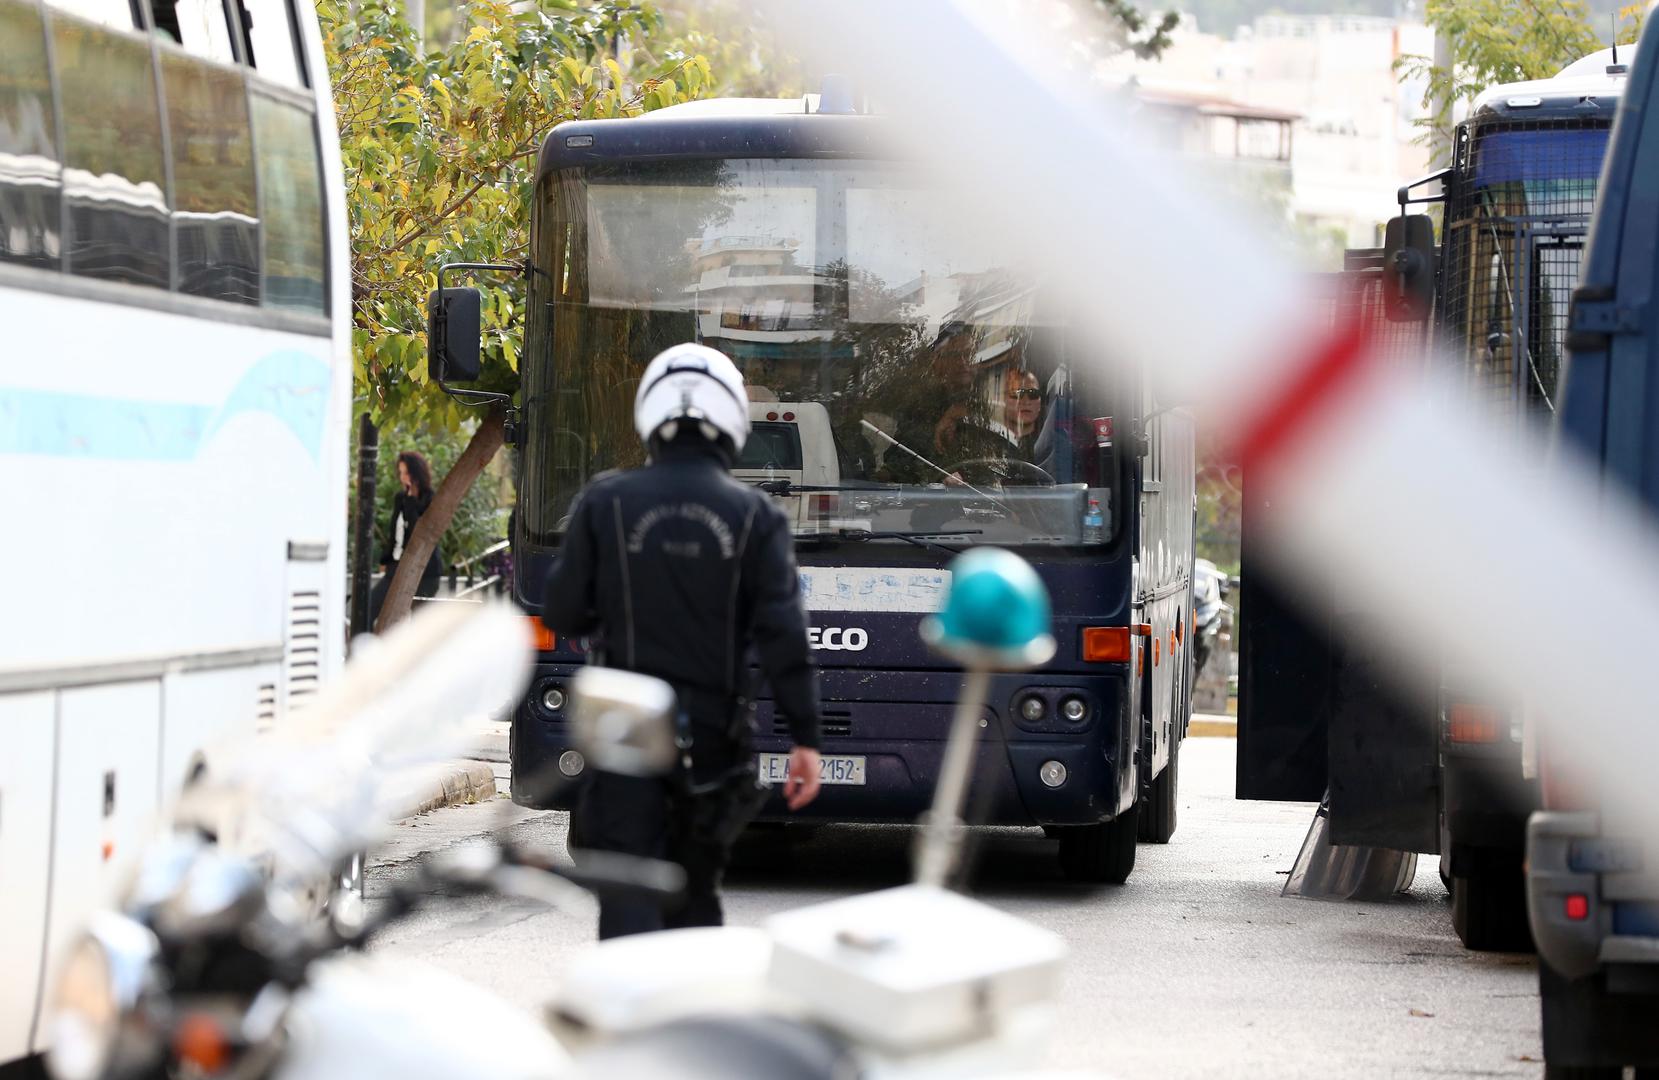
1339,359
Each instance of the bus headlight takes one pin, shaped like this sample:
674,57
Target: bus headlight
1074,710
1033,708
553,698
97,993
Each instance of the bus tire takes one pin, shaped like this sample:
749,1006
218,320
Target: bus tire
1157,817
1489,913
1103,853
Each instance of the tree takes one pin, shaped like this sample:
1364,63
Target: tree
752,58
438,149
1492,42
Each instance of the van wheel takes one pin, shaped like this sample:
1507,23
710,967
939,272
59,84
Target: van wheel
1489,912
1157,818
1100,853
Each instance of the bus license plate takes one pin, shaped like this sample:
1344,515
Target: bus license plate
847,769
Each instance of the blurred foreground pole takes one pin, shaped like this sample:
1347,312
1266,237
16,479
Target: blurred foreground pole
1539,585
362,560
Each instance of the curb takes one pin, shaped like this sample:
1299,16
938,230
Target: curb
1206,725
491,744
449,784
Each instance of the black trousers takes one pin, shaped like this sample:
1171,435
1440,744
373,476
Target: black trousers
660,818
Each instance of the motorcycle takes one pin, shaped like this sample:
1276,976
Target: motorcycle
238,950
223,962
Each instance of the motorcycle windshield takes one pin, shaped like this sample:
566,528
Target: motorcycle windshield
324,782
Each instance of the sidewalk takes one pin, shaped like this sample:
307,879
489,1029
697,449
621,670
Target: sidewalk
443,783
476,778
1213,725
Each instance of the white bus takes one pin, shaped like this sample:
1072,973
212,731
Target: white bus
174,408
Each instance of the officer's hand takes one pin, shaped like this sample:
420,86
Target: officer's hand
802,785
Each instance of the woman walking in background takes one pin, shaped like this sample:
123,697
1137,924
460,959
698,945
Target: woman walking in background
407,508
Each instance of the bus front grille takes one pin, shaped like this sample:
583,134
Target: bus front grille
837,726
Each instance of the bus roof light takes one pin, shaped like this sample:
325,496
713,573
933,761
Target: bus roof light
835,95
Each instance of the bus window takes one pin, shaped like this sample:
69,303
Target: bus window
216,221
118,14
200,26
113,176
268,27
291,197
30,172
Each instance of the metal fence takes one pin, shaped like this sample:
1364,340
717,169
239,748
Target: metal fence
1517,210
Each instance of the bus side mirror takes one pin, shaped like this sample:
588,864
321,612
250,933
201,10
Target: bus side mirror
453,320
1408,268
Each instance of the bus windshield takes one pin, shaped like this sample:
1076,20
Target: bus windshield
901,376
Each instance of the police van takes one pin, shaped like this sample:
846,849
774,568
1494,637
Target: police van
1593,899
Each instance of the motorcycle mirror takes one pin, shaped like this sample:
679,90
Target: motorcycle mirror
624,722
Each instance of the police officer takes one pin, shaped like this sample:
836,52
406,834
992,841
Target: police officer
677,569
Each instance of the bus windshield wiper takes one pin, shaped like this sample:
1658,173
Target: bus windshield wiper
786,486
919,539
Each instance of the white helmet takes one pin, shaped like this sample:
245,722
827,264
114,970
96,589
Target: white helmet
692,382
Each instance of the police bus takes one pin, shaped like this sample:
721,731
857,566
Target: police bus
911,396
174,406
1436,768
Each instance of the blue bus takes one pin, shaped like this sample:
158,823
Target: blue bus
911,396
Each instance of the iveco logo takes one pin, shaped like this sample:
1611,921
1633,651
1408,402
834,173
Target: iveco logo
837,638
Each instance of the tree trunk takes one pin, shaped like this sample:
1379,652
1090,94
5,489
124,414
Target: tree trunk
435,521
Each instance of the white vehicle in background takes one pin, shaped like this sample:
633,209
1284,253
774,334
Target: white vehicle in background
791,447
174,411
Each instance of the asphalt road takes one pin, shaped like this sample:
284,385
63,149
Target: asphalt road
1196,968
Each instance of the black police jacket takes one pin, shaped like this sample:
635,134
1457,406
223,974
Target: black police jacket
678,569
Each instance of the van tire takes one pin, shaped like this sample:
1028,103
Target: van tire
1103,853
1157,817
1489,912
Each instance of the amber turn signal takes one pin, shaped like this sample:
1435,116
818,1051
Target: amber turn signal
1105,644
544,639
1472,724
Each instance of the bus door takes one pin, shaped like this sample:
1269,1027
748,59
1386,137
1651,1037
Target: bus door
1318,710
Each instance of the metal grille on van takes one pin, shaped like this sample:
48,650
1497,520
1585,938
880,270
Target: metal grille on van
302,658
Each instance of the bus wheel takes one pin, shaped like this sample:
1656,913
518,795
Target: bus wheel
1158,815
1104,852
